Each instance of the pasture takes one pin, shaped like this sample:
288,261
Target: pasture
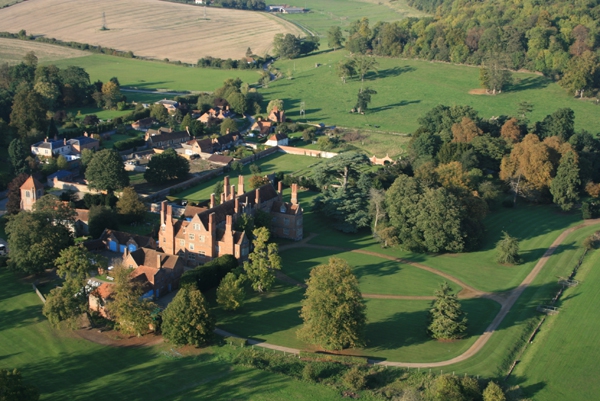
150,28
12,51
153,75
562,361
65,366
324,14
407,89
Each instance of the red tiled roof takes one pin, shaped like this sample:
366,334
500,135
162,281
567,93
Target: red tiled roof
105,290
32,182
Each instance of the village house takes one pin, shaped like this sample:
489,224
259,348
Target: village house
277,116
164,138
206,147
158,272
210,233
144,124
81,226
31,191
119,241
83,142
263,127
49,148
277,139
220,113
170,105
99,297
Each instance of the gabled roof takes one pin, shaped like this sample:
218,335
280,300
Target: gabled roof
82,140
205,145
285,208
59,143
123,237
278,137
104,290
32,183
219,159
148,257
191,211
161,136
83,215
146,272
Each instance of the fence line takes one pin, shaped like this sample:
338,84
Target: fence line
39,293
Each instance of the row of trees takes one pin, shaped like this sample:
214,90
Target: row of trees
290,46
551,38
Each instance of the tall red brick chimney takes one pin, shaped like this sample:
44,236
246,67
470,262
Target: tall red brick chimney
294,194
226,187
232,192
257,198
280,190
212,200
240,185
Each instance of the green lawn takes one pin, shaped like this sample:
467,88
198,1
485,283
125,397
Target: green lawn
146,227
396,330
407,89
278,162
325,14
563,359
108,144
63,366
375,275
152,75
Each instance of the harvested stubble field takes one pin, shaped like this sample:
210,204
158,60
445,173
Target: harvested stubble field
12,51
150,28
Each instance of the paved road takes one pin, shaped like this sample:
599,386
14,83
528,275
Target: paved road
507,300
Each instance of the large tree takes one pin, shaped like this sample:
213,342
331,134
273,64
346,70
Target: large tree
13,388
28,114
581,74
166,166
231,293
106,171
333,309
447,318
262,261
18,154
132,314
188,320
364,64
130,207
363,99
35,242
335,37
566,185
13,205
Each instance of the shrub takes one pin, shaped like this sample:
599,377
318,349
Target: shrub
129,143
315,356
236,341
355,378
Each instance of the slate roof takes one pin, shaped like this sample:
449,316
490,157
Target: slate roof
123,237
59,143
82,140
219,159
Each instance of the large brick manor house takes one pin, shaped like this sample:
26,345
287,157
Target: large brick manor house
202,234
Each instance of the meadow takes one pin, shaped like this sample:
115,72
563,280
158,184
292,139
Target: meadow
406,90
324,14
163,30
562,361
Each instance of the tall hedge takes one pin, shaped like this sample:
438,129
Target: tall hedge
210,274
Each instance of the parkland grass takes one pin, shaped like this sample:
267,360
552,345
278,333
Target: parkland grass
375,275
407,89
64,366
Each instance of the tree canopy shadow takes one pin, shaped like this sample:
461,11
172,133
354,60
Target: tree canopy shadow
22,317
530,83
394,105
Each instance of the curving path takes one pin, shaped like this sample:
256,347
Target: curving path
507,300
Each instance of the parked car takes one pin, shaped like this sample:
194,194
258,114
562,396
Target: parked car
3,251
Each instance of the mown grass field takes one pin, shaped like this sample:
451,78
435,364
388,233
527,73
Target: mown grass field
324,14
64,366
375,275
407,89
150,28
278,162
562,361
396,330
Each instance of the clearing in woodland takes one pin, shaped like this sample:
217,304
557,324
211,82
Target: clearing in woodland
149,28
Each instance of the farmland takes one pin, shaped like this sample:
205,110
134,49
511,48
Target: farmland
167,30
407,89
12,51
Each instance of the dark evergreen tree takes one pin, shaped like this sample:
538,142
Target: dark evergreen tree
447,318
188,320
566,185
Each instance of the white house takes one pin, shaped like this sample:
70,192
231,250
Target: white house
48,148
277,139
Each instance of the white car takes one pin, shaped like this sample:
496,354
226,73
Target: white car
3,251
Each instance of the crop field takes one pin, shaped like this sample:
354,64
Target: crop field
64,366
325,14
12,51
146,75
150,28
406,90
563,359
271,164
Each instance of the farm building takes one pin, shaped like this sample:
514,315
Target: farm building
277,139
